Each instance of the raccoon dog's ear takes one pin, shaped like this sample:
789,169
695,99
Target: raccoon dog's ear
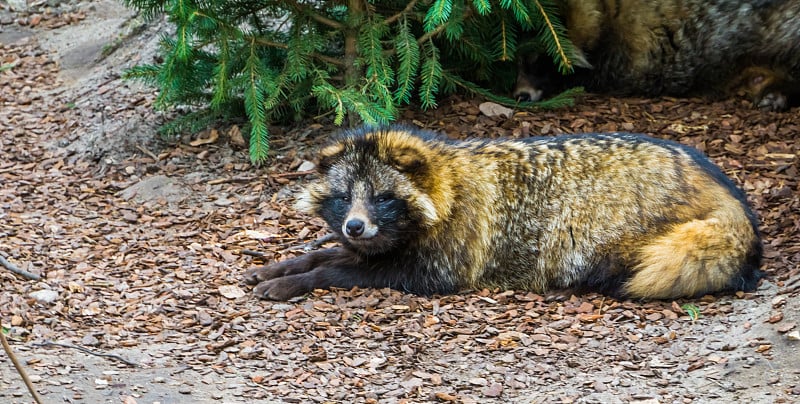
579,59
407,160
328,156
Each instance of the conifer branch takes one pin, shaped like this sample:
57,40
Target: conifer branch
328,59
562,55
272,60
314,15
428,35
504,41
391,19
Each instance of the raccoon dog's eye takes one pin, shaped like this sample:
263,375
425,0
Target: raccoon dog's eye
382,198
345,198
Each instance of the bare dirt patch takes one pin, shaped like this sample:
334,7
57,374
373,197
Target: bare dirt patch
140,240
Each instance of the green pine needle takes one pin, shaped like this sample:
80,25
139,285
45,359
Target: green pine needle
483,7
437,15
408,55
430,76
692,310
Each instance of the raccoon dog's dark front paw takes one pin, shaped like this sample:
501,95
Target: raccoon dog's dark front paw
773,102
283,288
297,265
256,275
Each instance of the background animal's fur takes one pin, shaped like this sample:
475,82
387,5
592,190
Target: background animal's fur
678,47
622,214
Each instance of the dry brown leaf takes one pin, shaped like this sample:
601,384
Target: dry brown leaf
213,135
235,134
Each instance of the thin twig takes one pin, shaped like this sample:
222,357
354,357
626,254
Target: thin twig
313,245
232,179
15,269
252,253
86,350
273,44
147,152
439,29
293,175
19,367
315,16
405,11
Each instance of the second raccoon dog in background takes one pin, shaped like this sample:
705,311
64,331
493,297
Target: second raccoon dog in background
623,214
676,47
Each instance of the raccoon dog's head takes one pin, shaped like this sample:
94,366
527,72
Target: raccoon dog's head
371,189
538,77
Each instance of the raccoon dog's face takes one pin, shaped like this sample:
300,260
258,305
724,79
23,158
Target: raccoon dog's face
537,78
366,194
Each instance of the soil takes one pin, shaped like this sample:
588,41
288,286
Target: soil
140,241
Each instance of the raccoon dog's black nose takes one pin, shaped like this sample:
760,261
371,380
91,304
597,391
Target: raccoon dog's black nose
355,227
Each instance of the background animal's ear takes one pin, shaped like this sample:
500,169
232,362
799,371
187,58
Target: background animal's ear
579,59
407,160
328,156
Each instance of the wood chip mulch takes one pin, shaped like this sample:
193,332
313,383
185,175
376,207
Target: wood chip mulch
142,253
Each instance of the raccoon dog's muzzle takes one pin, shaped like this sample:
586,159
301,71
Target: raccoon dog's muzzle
357,225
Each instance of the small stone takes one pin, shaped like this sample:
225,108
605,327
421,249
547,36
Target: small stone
412,383
492,109
44,296
282,306
17,5
306,166
204,318
90,340
493,390
223,202
599,386
786,327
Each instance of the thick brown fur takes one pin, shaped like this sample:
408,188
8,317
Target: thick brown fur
677,47
623,214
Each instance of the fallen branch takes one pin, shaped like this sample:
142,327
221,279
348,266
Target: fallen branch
86,350
252,253
313,245
306,247
148,152
19,367
15,269
293,174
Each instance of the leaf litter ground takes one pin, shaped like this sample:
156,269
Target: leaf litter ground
140,243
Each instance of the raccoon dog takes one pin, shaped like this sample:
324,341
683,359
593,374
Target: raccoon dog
622,214
676,47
